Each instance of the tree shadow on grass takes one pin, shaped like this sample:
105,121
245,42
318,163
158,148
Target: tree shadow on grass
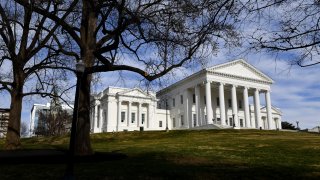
50,164
159,166
53,156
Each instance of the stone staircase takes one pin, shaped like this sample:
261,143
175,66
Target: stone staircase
211,126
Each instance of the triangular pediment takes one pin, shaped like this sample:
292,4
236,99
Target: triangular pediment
274,110
240,68
135,93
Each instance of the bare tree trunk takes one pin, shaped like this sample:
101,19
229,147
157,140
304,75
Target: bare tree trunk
13,134
83,145
88,38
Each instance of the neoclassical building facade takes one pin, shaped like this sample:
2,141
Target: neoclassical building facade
220,95
228,95
123,109
216,97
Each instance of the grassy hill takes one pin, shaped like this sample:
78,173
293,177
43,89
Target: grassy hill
210,154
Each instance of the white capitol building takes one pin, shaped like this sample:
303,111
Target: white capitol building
216,97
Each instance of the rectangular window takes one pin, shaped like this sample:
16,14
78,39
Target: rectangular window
182,121
123,116
133,117
231,123
218,101
105,116
173,102
194,120
241,122
174,122
181,99
204,100
160,123
143,116
194,98
240,104
218,119
229,103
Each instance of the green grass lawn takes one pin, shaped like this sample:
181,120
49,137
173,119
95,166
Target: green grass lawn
206,154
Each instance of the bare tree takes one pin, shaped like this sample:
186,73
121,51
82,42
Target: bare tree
146,37
53,122
290,27
27,49
24,129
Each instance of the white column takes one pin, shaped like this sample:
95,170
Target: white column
221,104
129,114
246,106
186,108
92,118
269,110
149,115
279,124
235,106
197,96
189,104
119,114
95,117
208,102
139,115
101,119
257,108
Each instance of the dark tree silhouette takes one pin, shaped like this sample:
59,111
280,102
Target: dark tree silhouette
287,26
26,46
287,125
146,37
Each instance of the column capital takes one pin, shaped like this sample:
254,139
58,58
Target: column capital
221,83
234,85
207,81
267,90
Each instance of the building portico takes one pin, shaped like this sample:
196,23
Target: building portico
122,109
220,95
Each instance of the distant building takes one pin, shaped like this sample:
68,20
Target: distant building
45,109
315,129
4,119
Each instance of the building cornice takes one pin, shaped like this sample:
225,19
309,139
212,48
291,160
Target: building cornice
238,77
186,79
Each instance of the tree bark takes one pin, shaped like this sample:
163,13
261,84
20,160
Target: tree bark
88,38
83,145
13,133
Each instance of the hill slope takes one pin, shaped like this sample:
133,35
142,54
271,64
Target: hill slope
205,154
